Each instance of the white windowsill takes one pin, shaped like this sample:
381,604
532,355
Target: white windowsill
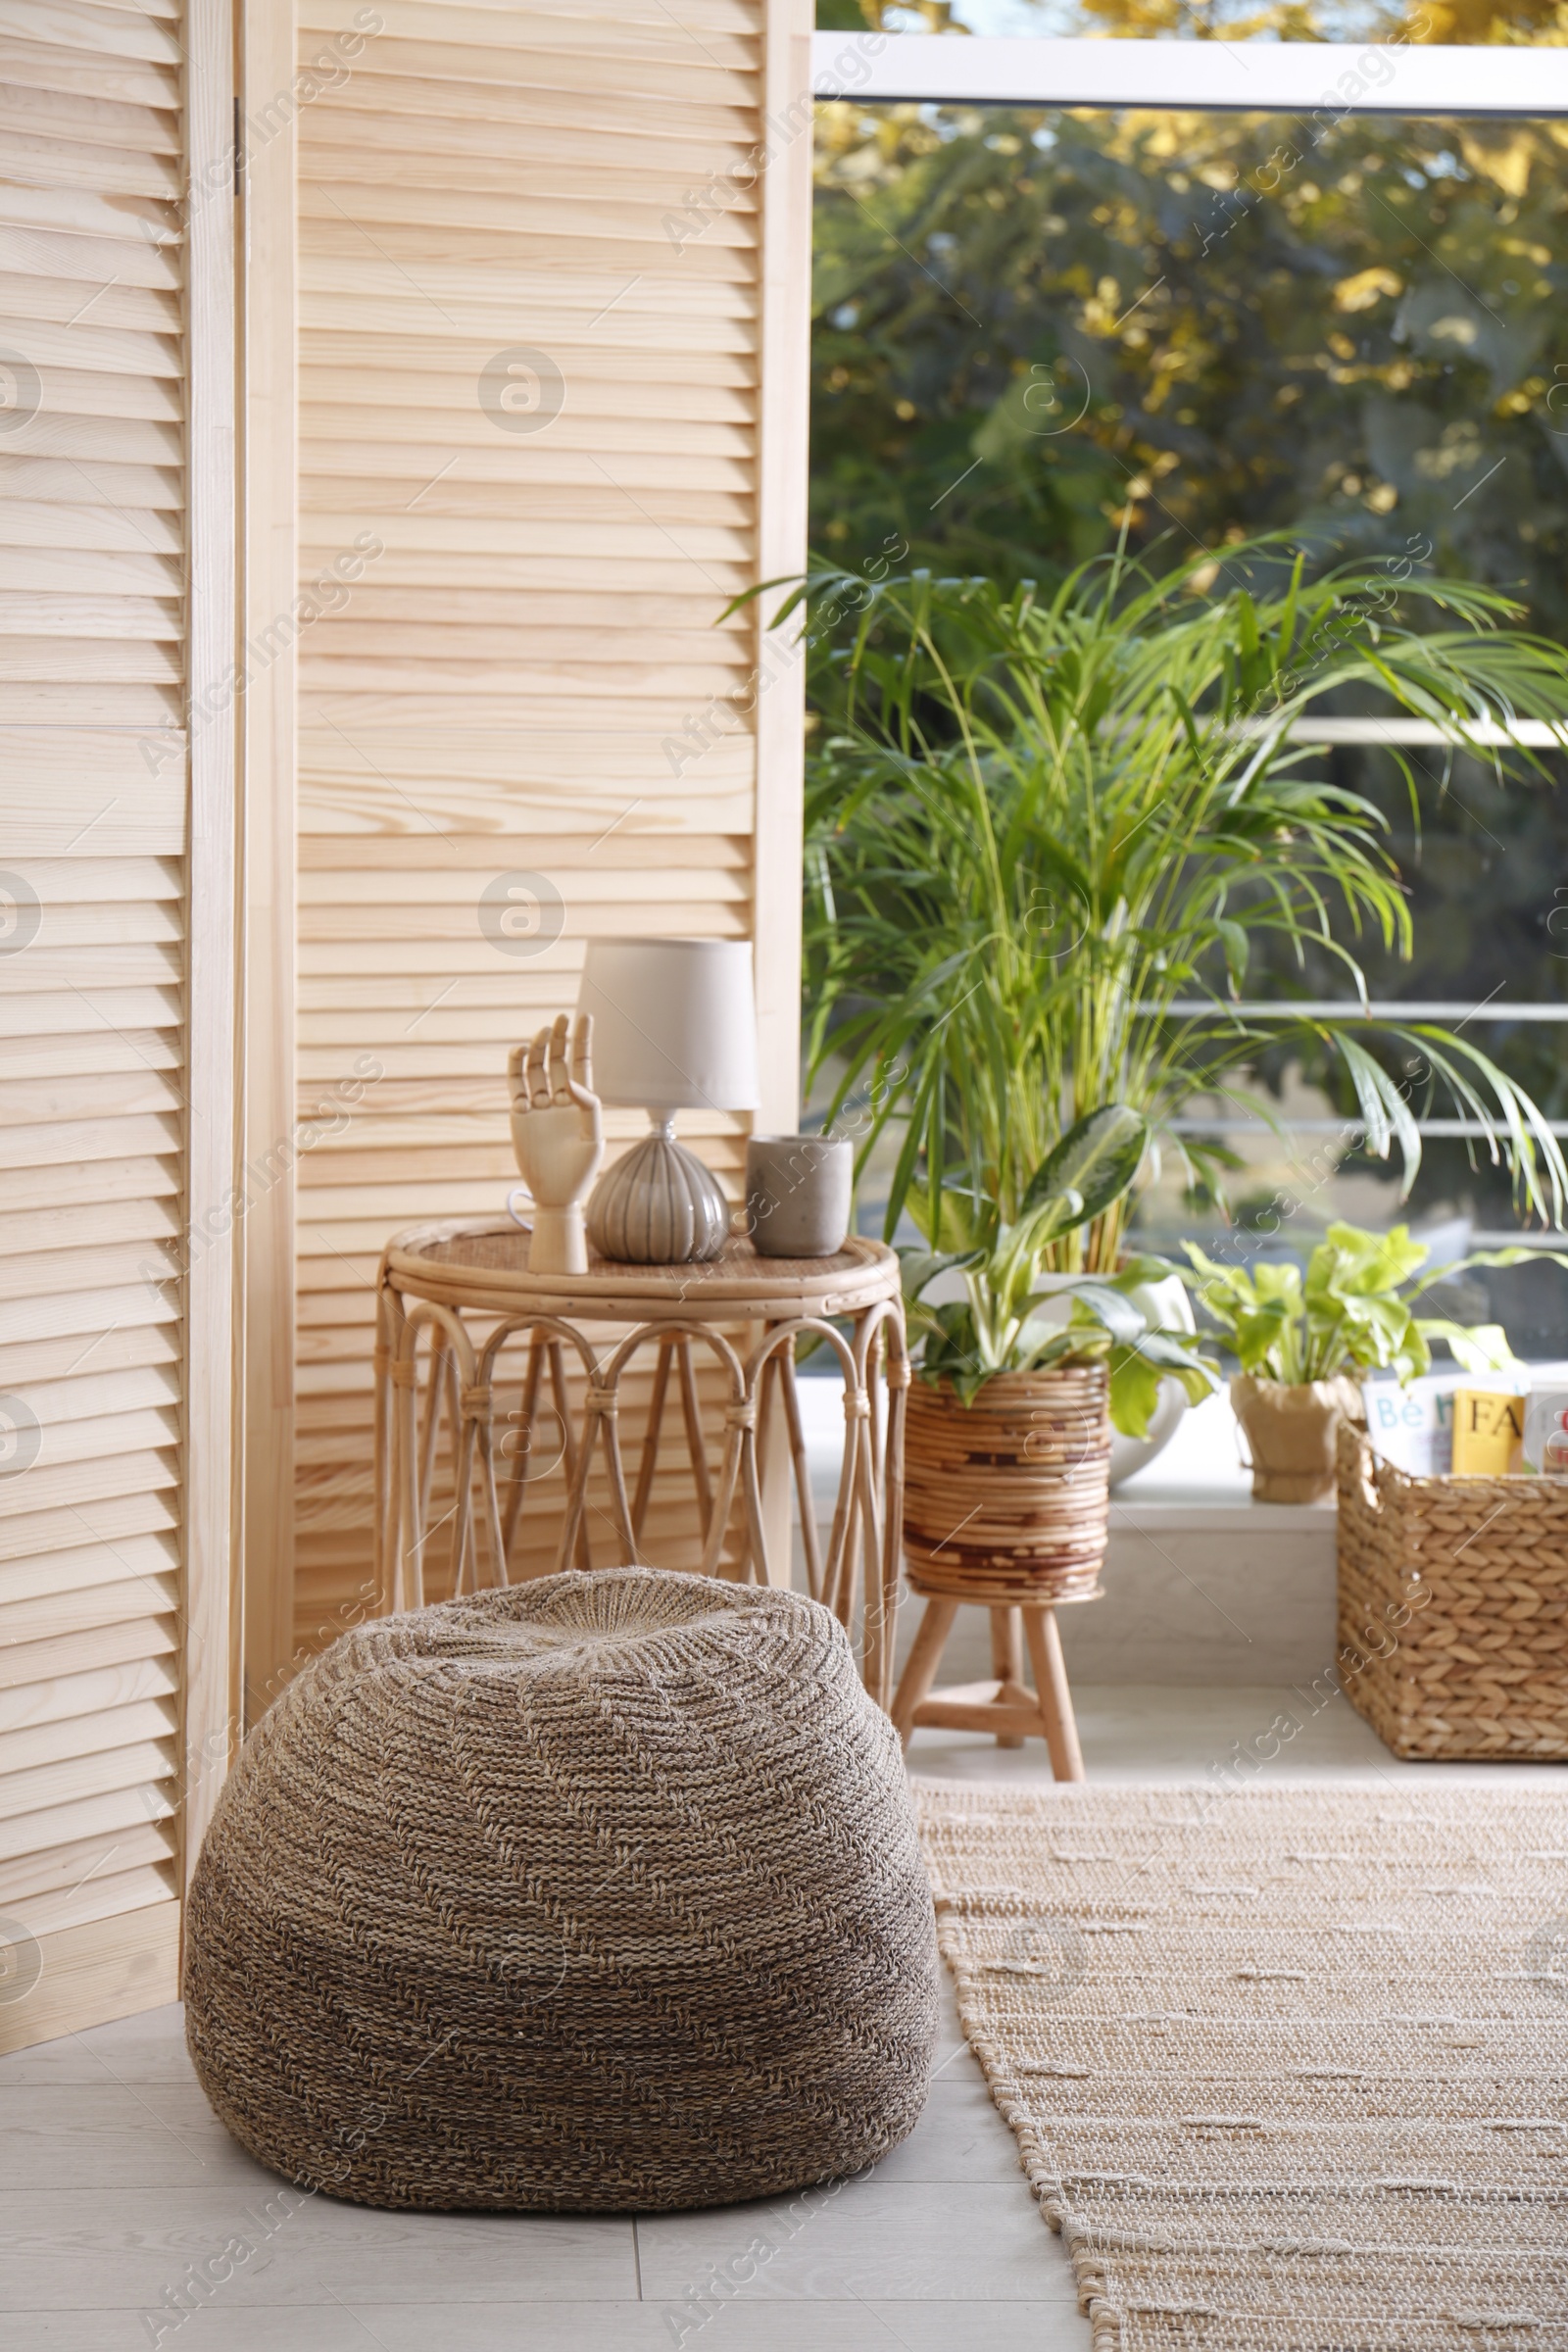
1198,1483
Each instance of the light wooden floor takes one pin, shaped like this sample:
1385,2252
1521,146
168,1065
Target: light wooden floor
116,2182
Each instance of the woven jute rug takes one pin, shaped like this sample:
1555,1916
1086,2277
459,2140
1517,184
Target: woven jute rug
1288,2067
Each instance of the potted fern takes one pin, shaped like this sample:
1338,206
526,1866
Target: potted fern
1301,1341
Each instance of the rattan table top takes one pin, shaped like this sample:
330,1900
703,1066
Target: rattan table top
484,1263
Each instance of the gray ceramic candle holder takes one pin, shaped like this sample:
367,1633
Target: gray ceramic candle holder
798,1193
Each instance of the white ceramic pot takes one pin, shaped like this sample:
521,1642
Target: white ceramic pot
1164,1303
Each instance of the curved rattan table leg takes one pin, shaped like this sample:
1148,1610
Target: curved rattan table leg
522,1459
478,1405
655,1423
898,1376
436,1392
573,1527
691,1407
460,1390
838,1574
729,1470
387,1311
579,1458
407,1563
605,1404
753,1562
803,1469
872,1552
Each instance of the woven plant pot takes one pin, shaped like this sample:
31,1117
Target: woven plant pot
1290,1430
1009,1496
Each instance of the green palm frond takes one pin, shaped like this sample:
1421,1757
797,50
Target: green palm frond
1038,824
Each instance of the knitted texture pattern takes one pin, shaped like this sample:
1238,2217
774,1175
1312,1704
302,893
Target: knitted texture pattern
602,1891
1288,2067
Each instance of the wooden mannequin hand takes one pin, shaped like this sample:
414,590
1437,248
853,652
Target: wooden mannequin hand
557,1136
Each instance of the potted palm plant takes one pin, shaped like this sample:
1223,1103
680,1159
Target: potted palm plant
1008,1428
1299,1341
1047,835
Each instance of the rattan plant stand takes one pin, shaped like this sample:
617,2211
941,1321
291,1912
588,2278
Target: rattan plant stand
452,1296
1007,1508
1004,1707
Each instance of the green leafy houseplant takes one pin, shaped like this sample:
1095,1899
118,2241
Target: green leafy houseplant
1046,836
1355,1310
1301,1341
1002,1325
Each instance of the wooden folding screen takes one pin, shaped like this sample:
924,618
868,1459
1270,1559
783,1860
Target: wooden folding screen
116,995
551,292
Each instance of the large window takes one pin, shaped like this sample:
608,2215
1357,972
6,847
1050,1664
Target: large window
1035,325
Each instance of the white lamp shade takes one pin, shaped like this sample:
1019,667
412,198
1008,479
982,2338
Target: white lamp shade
674,1023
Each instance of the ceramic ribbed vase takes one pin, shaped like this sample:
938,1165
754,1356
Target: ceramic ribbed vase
658,1205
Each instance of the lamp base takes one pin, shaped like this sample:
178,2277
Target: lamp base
659,1207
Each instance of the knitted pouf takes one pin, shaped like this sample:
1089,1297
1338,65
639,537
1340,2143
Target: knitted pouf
601,1891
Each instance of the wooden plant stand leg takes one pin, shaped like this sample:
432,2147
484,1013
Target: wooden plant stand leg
1006,1664
920,1667
1056,1699
1006,1709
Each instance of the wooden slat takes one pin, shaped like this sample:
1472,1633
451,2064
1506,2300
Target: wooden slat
437,152
113,1338
60,163
94,358
606,18
66,1868
636,39
70,116
490,67
90,31
47,1788
685,325
70,74
92,262
143,1561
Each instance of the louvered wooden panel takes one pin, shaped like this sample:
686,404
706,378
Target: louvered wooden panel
100,1554
528,671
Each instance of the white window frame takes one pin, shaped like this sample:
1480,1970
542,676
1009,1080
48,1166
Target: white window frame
1394,77
1324,81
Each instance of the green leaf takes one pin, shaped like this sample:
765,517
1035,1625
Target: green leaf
1480,1348
1112,1309
1234,940
1097,1158
918,1268
1353,1263
1134,1392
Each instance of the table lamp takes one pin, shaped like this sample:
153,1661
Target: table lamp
675,1028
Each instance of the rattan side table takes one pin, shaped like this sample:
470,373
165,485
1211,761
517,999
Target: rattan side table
460,1291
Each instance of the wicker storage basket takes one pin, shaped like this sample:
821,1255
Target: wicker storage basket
1453,1608
1008,1498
